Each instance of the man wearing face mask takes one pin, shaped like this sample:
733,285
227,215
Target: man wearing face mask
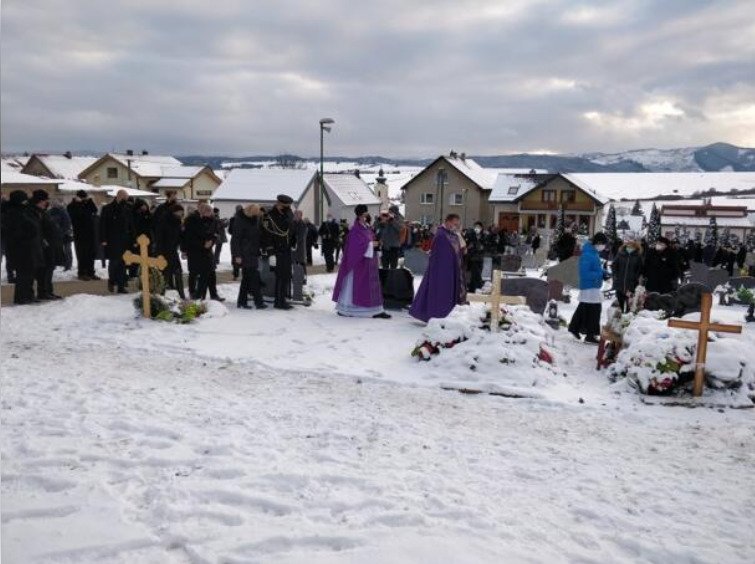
661,270
279,239
475,253
627,269
586,318
52,245
329,234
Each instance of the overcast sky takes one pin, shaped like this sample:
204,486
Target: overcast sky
400,77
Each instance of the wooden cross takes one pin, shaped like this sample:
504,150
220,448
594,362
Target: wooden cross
145,262
496,299
703,326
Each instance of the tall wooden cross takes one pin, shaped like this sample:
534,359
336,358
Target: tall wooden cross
495,298
145,262
703,326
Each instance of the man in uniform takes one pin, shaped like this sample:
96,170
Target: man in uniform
278,240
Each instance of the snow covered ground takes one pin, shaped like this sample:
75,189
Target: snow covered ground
268,436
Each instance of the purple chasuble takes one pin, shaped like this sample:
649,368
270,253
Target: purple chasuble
367,291
442,286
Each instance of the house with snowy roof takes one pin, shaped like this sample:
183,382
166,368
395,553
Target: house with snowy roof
695,219
345,192
261,186
155,173
11,180
66,166
523,202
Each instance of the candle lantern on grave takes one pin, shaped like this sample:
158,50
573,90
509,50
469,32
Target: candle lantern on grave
552,318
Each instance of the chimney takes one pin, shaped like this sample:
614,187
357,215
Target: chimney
130,152
68,155
463,156
144,152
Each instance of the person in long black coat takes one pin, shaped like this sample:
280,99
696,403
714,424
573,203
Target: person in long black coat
245,249
278,241
83,213
200,235
23,245
475,239
236,267
142,226
168,234
4,207
661,269
329,234
52,245
565,246
626,270
116,236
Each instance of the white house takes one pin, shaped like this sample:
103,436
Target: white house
262,185
345,192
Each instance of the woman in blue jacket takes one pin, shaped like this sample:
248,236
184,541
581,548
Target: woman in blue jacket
586,318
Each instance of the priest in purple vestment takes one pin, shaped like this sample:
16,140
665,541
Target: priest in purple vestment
358,292
442,286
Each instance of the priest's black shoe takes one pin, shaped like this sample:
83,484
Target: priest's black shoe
261,305
381,315
243,306
284,306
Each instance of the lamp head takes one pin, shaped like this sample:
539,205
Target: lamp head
325,121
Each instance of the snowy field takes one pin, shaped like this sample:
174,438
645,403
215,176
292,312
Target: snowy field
269,436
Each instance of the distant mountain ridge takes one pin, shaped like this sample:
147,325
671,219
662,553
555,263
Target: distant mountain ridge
711,158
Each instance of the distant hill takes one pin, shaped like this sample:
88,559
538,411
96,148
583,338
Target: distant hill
715,157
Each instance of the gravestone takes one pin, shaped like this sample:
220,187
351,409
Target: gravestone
267,277
487,268
534,290
398,287
511,263
555,290
523,249
416,261
698,272
717,277
686,299
566,272
297,283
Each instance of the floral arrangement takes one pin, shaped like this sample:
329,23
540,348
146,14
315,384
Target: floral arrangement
172,310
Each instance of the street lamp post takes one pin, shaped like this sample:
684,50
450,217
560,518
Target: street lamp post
441,181
325,125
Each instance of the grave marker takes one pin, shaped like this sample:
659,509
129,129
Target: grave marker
145,262
495,299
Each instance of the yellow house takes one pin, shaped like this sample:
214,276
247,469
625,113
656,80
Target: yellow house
525,202
155,173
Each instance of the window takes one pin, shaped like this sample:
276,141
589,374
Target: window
568,196
513,190
457,199
549,195
112,172
427,198
426,219
204,192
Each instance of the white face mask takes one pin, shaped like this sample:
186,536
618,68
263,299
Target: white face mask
478,230
600,248
660,248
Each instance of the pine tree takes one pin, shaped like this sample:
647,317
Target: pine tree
711,233
726,238
559,231
654,227
637,209
611,232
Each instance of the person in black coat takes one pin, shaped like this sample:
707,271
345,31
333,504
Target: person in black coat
142,226
627,269
475,239
52,245
83,213
116,237
168,234
4,207
23,245
329,234
200,235
278,240
311,239
565,246
236,268
661,269
245,249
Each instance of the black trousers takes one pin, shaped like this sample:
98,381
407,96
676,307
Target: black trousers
218,250
282,276
475,275
23,291
327,252
85,257
206,280
389,258
338,252
621,298
116,272
43,276
586,319
173,274
309,255
250,284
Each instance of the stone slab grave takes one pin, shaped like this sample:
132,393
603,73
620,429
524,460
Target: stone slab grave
416,260
687,299
487,268
742,281
566,272
717,277
398,287
511,263
555,290
534,290
703,274
267,276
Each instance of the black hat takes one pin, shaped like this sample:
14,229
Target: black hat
599,239
283,199
82,194
360,210
17,197
39,196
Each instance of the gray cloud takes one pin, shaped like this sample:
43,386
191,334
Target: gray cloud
401,78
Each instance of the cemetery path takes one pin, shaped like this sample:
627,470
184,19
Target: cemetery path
113,455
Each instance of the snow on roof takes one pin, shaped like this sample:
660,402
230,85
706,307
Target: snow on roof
739,222
648,185
508,188
484,177
577,180
13,177
63,167
147,165
166,182
12,163
263,185
68,185
132,192
349,189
